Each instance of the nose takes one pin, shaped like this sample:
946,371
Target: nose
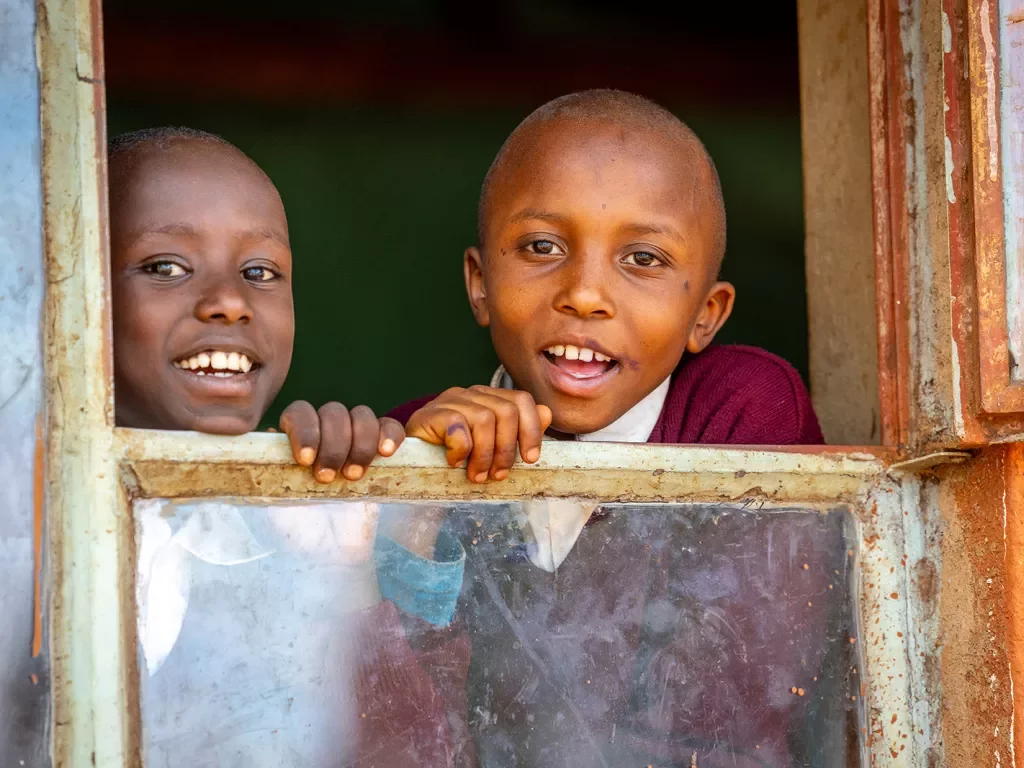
224,301
584,290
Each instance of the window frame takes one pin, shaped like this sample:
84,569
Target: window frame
93,470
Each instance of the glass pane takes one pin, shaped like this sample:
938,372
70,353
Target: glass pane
1011,84
24,683
534,634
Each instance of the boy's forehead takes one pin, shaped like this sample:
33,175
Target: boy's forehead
576,159
190,182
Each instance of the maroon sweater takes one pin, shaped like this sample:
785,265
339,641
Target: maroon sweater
726,395
481,692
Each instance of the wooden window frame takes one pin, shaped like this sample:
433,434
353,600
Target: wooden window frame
95,470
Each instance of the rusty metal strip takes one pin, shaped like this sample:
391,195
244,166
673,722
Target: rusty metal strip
998,393
92,633
885,78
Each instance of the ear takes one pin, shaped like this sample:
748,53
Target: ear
711,317
473,271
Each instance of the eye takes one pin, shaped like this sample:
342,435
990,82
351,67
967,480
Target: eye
643,259
165,269
545,248
259,274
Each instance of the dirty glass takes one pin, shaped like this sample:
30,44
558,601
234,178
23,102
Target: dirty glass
24,683
541,633
1011,119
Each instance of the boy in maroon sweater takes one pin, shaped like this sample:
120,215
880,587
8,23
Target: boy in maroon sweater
644,636
602,231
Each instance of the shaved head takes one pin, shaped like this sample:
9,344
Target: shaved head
632,114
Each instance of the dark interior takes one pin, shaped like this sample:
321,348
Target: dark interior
377,122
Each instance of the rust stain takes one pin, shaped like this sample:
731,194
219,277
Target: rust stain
974,664
37,539
1014,531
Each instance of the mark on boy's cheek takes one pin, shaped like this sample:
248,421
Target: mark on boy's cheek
686,285
603,206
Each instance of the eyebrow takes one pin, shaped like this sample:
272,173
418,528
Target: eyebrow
655,229
536,213
187,230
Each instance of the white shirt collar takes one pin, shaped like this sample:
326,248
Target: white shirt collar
634,426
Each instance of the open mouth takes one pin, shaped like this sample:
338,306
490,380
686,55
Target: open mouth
579,362
217,363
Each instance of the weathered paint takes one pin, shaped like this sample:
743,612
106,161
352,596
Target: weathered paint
92,641
24,673
885,84
161,464
977,705
1013,543
1011,132
899,631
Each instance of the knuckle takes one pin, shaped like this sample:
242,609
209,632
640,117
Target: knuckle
363,412
524,399
508,410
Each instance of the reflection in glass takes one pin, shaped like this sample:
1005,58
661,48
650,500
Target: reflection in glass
530,634
24,666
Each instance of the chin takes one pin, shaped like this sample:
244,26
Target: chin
224,425
578,424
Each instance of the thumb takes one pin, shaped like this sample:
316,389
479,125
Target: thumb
545,417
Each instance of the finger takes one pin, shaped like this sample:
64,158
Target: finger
302,426
335,441
546,417
443,426
531,426
507,418
392,433
482,424
365,437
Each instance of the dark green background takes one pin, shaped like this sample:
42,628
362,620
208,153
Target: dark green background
381,204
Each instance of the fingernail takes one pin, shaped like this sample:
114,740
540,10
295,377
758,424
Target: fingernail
461,464
354,472
481,478
387,447
306,456
501,474
532,455
326,475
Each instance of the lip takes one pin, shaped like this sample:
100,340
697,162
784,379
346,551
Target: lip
567,384
237,386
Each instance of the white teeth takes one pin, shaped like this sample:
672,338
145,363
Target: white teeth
221,362
200,374
577,353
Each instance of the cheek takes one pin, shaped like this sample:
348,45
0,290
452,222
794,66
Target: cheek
662,325
140,324
513,301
